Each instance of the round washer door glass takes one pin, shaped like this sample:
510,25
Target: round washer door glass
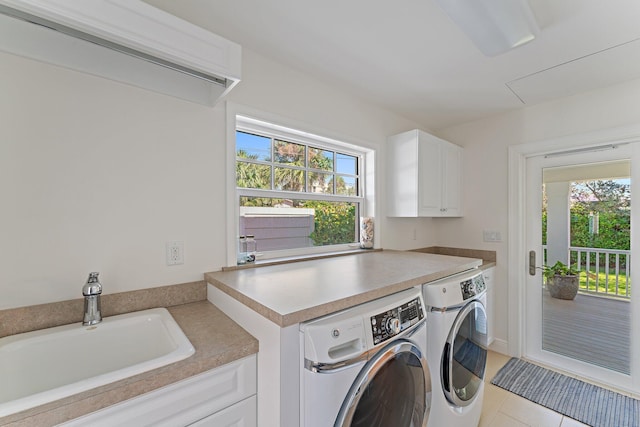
465,355
392,389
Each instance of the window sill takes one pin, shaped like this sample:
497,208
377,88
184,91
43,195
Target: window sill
291,259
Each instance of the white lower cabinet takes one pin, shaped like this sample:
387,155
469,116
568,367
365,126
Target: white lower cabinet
222,397
242,414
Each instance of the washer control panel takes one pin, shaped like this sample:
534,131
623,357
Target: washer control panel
392,322
472,287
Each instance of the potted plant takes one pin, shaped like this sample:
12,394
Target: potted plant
562,280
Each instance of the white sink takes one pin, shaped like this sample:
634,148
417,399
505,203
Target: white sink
46,365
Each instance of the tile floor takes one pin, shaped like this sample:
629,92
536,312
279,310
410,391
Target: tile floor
503,409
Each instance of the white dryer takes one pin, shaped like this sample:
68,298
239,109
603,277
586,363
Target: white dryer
366,366
456,348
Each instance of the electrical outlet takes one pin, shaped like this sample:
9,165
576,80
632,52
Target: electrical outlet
175,253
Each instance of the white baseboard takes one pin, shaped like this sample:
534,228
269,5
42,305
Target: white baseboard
500,346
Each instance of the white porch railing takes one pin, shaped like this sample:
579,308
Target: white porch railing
605,272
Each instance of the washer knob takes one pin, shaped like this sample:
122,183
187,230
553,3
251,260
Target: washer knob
393,325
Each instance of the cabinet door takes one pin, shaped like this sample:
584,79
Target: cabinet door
424,176
451,180
431,170
402,175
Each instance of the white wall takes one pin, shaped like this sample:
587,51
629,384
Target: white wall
486,145
97,176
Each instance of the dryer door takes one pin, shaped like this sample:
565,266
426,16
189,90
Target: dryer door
392,389
465,355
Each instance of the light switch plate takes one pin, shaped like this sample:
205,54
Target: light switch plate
491,236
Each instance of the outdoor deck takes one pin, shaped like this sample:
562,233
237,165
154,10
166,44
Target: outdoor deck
589,328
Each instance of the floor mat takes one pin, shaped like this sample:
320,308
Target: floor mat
577,399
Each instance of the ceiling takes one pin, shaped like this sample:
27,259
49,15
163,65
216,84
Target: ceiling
409,57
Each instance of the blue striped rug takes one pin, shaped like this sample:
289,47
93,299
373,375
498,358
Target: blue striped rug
582,401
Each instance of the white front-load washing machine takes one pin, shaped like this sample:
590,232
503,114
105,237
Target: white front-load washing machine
456,348
366,366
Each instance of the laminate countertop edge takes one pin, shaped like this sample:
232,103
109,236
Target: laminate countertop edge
235,284
217,340
487,265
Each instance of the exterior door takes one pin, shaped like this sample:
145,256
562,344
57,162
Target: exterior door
591,334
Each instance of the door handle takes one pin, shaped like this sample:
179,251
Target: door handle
532,263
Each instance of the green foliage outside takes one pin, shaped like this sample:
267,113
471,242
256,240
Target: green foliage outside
558,269
603,283
268,202
605,203
610,200
250,175
289,170
335,223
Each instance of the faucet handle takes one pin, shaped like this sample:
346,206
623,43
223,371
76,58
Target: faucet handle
93,285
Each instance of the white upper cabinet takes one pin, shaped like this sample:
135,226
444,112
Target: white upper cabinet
125,40
424,176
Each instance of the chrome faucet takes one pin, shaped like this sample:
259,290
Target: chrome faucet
91,291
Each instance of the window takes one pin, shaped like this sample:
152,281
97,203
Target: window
297,193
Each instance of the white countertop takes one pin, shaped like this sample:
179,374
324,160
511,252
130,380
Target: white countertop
299,291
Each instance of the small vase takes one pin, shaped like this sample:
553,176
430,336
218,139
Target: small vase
366,232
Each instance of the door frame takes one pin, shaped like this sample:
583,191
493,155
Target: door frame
517,250
533,349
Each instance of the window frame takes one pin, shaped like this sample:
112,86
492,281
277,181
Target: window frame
254,123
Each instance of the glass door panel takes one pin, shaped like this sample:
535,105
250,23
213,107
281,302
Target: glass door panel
586,224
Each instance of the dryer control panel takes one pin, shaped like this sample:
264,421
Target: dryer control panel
391,322
472,287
